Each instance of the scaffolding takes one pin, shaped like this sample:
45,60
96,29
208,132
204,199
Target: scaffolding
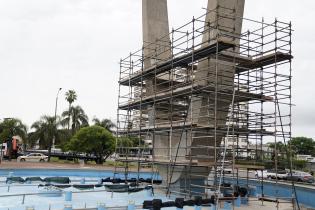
205,115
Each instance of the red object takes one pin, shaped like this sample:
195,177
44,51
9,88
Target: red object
14,144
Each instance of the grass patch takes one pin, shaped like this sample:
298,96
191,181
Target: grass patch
57,160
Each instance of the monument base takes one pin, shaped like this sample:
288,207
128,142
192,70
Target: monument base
184,180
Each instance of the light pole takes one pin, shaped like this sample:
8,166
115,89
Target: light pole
55,124
56,105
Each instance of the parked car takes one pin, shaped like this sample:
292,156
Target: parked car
261,174
271,174
300,176
282,174
33,157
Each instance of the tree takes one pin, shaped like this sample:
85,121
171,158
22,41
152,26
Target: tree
93,140
71,96
130,141
124,142
32,140
12,127
282,154
76,117
281,148
105,123
302,145
46,129
64,137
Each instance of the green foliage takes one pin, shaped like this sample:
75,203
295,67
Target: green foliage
76,117
302,145
45,130
124,142
297,145
281,148
93,140
299,164
64,137
12,127
250,162
129,142
71,96
105,123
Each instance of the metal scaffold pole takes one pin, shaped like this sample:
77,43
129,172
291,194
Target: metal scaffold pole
204,98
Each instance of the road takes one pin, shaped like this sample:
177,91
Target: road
242,174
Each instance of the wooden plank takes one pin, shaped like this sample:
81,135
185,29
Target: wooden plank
180,61
263,61
240,96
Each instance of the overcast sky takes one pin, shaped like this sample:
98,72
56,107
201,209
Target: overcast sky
77,44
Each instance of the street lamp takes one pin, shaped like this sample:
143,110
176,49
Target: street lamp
56,105
55,122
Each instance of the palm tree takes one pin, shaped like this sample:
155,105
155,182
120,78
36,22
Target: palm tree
46,129
76,117
71,96
12,127
39,135
105,123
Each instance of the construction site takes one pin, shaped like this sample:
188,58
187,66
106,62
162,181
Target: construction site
192,94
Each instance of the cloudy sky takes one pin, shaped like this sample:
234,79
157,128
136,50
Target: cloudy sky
77,44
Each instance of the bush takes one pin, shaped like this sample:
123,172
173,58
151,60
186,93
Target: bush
299,164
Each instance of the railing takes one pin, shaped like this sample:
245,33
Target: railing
67,206
65,155
66,203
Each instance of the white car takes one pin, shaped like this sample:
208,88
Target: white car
33,157
261,174
271,174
